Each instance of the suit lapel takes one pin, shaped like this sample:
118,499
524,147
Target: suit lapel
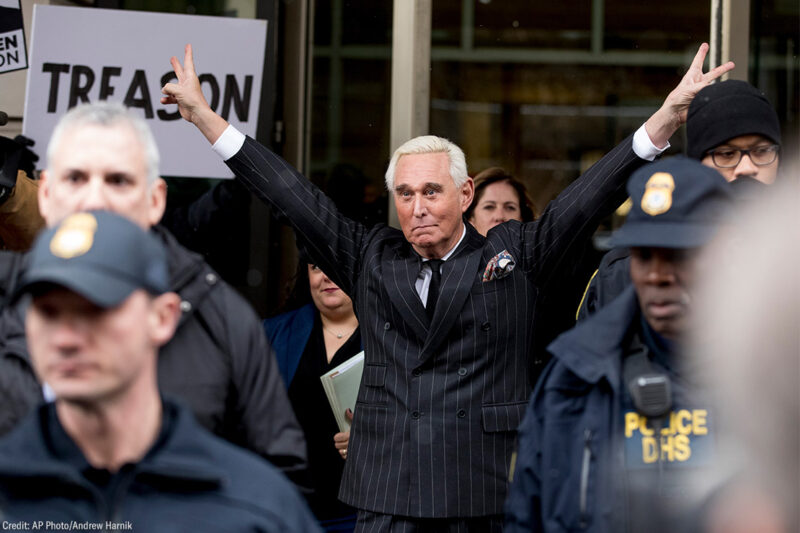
399,277
458,276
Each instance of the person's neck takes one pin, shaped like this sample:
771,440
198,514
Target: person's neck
663,348
340,327
115,432
341,320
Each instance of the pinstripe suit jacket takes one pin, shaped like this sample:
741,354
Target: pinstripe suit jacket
439,402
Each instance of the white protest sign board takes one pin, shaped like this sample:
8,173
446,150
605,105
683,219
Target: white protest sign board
12,37
84,54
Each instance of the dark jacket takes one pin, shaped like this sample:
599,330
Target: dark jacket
218,362
288,333
188,481
566,459
611,278
19,389
440,399
556,304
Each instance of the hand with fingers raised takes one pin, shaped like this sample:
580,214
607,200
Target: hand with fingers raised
188,94
672,113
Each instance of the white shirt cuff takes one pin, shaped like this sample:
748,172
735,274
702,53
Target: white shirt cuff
229,143
643,146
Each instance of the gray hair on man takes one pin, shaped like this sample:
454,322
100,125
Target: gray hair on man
107,114
430,144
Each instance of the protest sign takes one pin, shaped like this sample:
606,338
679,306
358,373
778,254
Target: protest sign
12,37
85,55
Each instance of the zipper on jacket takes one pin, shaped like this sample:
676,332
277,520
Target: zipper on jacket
587,458
113,506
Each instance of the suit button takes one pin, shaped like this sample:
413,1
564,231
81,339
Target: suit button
415,415
462,371
387,326
486,326
461,413
416,372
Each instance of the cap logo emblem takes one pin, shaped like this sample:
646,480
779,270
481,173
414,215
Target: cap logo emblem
657,198
75,236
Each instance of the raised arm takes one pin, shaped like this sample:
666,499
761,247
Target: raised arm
572,217
332,240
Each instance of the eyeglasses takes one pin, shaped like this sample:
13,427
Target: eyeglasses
730,157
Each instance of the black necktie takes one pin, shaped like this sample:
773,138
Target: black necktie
433,288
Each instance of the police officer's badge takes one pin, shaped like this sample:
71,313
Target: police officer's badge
75,236
657,198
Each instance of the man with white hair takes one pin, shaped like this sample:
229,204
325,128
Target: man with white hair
445,313
102,157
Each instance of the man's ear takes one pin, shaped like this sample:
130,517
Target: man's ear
165,311
43,194
157,201
467,194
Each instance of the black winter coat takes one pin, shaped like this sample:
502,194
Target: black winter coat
567,458
218,362
188,481
612,277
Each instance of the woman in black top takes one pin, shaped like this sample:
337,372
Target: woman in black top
309,342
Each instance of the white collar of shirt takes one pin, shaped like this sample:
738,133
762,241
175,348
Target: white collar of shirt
423,282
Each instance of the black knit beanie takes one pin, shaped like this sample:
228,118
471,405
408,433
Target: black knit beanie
725,110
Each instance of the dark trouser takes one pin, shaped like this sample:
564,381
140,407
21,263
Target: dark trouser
369,522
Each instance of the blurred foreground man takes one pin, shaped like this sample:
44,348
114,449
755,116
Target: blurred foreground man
101,156
109,450
615,422
751,368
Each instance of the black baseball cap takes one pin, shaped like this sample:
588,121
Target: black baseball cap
99,255
677,203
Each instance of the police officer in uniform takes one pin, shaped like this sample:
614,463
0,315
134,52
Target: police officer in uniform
614,422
